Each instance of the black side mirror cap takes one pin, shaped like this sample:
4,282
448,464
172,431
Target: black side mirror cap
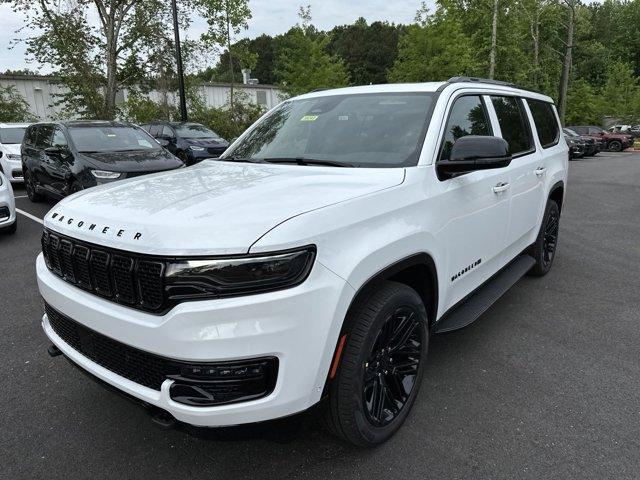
54,151
475,152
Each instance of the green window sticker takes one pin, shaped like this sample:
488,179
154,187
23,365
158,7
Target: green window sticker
309,118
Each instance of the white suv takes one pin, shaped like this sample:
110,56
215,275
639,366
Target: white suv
10,140
312,262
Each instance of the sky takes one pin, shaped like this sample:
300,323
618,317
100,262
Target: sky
269,16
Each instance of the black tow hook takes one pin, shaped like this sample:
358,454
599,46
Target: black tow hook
162,418
53,351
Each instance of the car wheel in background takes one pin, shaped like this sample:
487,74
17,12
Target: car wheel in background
30,186
615,145
544,248
75,187
384,348
183,156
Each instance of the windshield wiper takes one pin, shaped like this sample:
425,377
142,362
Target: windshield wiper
308,161
241,159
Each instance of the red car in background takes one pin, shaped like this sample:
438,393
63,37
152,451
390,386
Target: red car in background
615,142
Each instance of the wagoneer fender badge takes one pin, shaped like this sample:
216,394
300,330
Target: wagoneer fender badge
93,226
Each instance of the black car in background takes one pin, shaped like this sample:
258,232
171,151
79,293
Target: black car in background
191,142
60,158
577,145
591,145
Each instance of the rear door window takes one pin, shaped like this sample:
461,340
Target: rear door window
546,123
468,116
514,124
30,136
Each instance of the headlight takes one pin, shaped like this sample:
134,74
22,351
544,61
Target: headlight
218,277
196,149
104,175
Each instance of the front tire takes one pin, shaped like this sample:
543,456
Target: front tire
382,365
30,186
544,248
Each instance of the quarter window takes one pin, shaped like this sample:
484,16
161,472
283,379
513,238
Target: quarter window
546,123
467,117
513,123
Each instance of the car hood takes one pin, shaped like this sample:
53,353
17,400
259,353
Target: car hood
137,161
212,208
13,148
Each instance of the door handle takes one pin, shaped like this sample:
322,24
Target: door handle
501,187
540,171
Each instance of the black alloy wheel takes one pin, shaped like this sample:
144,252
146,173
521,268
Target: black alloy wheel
550,237
615,145
391,370
545,246
30,186
377,378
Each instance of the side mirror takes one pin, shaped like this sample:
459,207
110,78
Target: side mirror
162,141
475,152
55,151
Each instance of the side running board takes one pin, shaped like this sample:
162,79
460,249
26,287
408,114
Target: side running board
469,309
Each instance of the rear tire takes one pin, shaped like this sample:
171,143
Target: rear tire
615,146
382,365
31,188
545,246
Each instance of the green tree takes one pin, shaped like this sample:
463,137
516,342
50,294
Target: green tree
13,107
583,104
434,49
302,64
621,93
368,51
94,60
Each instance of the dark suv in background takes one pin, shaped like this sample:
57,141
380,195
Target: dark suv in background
190,142
61,158
612,141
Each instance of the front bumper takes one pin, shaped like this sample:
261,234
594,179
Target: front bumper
299,326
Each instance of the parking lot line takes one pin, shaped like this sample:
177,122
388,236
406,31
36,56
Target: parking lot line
32,217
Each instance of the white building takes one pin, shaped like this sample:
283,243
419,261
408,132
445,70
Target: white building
40,93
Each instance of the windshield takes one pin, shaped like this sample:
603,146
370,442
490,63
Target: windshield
363,130
570,132
195,130
12,135
111,139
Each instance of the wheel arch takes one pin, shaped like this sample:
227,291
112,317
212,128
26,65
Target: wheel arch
556,193
417,271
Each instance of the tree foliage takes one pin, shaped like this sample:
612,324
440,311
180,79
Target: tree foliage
13,107
303,64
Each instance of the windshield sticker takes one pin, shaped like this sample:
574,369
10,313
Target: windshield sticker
309,118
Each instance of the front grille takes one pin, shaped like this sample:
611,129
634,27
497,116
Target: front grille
123,277
199,384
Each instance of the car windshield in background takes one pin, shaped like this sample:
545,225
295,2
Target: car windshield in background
194,130
364,130
111,139
10,136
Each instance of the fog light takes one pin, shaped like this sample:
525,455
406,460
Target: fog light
223,383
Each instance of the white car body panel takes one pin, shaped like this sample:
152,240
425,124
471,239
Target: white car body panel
362,220
7,200
10,160
227,206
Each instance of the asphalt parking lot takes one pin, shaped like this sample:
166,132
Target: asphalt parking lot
544,385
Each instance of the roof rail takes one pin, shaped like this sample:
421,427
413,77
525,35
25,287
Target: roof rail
481,80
